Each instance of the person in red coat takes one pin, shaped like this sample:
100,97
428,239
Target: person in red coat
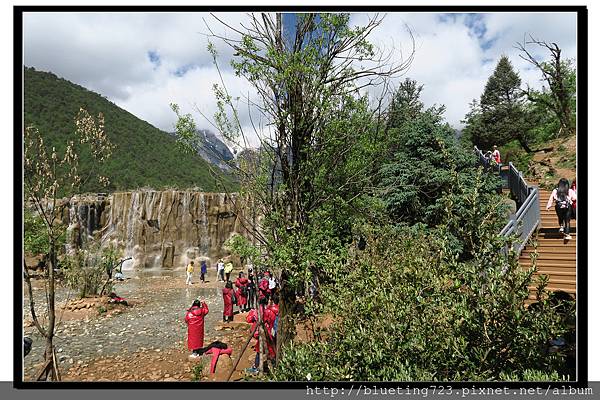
242,294
263,287
194,318
228,292
269,320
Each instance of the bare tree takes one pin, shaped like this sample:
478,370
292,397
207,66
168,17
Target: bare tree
555,73
47,177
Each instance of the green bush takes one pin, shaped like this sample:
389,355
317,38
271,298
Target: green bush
86,269
408,310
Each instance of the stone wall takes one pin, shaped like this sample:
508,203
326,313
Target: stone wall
158,229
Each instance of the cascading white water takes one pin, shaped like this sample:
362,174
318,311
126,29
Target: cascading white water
204,237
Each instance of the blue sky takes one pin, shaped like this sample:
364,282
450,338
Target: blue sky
145,61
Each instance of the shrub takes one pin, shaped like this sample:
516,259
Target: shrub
85,270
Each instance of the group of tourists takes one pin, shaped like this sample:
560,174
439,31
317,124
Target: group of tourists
189,270
253,292
493,156
564,198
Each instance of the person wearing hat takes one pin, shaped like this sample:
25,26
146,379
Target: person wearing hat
228,296
194,319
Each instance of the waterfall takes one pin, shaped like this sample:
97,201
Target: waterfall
204,238
158,229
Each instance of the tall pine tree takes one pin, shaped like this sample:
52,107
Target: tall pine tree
499,117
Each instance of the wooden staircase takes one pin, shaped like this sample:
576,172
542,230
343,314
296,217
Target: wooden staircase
556,256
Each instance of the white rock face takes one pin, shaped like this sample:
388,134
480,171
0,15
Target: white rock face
159,229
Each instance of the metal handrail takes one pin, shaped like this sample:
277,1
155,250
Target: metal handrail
527,218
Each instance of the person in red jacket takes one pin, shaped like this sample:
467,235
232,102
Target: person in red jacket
242,292
274,308
263,287
269,320
228,292
194,318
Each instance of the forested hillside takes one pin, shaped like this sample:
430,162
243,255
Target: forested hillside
144,155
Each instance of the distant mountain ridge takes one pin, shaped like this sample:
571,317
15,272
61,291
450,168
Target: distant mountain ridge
144,156
213,149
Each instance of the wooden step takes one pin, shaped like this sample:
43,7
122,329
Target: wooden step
552,268
559,273
566,286
550,249
556,242
555,278
550,256
555,234
550,263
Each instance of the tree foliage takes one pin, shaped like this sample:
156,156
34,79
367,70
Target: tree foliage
499,117
407,309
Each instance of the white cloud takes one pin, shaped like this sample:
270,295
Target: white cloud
108,53
455,56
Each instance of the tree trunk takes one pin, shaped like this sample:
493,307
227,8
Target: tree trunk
524,144
285,328
49,353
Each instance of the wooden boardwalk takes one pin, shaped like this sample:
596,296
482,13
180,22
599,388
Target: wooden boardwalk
556,256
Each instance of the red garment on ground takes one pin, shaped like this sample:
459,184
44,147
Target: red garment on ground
241,299
227,303
216,352
194,318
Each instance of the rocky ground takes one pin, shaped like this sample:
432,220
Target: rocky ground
145,341
559,161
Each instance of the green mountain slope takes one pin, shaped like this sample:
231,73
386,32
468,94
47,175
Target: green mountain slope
144,156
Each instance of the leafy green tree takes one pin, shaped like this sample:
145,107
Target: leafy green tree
424,163
321,142
499,116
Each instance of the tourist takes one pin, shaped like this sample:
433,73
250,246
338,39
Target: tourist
496,155
242,292
563,196
268,319
194,318
251,292
221,270
228,296
263,286
272,283
189,271
228,269
274,308
574,204
202,270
